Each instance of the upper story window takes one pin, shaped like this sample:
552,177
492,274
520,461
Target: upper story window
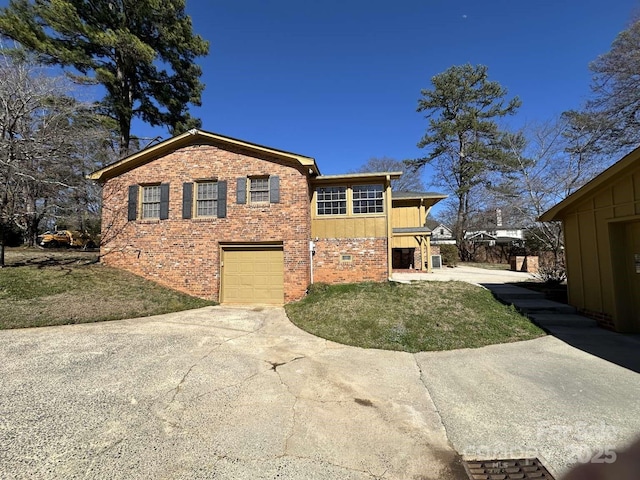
148,202
331,200
259,190
207,199
368,199
151,201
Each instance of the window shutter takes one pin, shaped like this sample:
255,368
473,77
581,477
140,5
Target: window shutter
132,213
274,189
241,192
187,200
164,201
222,199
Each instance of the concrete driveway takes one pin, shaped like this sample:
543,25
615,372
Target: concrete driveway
212,393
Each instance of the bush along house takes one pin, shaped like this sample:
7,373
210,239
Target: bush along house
229,220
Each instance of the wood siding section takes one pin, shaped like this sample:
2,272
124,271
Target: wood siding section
349,227
406,216
592,240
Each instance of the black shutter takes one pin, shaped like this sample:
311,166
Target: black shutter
187,200
274,189
241,192
132,211
164,201
222,199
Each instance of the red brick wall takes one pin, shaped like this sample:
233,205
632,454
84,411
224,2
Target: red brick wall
369,260
184,254
604,320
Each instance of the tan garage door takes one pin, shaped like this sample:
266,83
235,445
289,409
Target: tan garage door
253,275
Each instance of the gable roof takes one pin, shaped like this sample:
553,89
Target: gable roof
189,138
628,162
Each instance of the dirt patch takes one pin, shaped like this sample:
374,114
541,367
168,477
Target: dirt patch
39,257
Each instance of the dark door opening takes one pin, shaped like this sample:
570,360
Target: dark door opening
403,258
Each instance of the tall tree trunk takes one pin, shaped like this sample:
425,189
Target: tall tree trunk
2,237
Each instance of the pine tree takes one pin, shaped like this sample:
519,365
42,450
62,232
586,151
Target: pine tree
141,51
463,136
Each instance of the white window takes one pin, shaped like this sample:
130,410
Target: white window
368,199
151,201
207,199
259,190
331,200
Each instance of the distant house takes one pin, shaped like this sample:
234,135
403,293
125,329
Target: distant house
442,235
602,245
226,219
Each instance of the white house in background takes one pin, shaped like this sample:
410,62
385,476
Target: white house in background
442,235
497,234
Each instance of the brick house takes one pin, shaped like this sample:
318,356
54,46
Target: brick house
226,219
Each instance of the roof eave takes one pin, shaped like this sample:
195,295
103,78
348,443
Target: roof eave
358,176
143,156
553,214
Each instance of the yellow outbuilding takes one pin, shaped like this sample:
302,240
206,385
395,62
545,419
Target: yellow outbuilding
602,245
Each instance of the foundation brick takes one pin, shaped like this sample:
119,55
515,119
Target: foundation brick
368,260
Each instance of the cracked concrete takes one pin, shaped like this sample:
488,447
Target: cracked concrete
219,393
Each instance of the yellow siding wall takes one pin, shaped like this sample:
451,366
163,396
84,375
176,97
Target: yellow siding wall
403,217
349,227
587,236
404,242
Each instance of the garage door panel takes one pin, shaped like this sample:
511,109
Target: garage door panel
253,275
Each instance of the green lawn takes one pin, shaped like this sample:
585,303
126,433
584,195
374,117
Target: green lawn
421,316
55,288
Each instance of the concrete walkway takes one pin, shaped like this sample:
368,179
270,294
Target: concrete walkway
561,321
566,398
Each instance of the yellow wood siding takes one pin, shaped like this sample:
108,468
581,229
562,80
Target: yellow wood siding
405,242
593,238
406,216
349,227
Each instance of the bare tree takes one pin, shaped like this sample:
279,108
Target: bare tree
40,127
410,180
552,160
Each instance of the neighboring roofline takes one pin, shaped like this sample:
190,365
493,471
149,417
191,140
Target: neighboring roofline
148,154
358,176
553,214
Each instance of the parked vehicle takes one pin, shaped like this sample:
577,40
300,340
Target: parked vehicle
66,238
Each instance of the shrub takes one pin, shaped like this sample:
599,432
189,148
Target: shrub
552,273
449,254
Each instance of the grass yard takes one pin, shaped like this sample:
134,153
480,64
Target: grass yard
422,316
48,287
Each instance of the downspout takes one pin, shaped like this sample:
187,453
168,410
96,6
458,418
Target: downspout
389,229
312,246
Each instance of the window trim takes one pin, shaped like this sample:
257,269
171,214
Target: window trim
142,203
349,201
195,199
381,199
250,190
346,202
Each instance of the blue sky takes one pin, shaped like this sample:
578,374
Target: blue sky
339,80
